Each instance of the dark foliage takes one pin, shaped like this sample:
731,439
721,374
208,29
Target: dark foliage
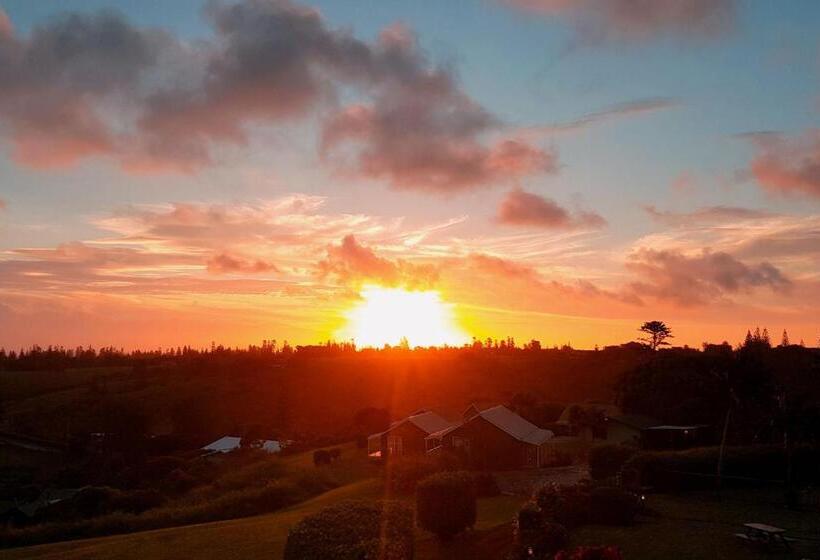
535,537
613,506
567,505
606,460
695,469
354,531
402,476
591,553
321,457
446,503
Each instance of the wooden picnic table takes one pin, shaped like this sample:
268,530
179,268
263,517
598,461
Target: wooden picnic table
764,535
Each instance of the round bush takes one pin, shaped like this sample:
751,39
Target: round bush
606,460
446,503
354,530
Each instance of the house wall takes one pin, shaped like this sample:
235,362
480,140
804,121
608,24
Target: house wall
412,438
490,447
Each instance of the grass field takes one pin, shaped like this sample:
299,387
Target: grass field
699,526
682,527
255,537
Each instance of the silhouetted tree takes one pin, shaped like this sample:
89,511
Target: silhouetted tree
657,332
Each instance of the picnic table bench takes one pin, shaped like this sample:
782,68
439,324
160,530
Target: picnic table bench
764,535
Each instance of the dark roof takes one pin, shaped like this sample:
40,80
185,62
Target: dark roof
636,421
507,421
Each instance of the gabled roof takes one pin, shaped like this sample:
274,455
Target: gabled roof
508,421
425,420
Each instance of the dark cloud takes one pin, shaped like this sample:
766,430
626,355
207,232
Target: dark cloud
93,84
788,165
54,81
520,208
635,20
698,279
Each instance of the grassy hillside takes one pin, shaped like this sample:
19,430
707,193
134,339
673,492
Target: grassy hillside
688,526
256,537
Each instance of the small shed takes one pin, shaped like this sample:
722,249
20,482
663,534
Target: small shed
227,444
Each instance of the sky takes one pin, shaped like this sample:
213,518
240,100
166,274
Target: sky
184,172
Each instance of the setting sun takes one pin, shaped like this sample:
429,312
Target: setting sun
387,315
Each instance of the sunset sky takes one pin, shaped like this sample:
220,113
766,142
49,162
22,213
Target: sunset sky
185,172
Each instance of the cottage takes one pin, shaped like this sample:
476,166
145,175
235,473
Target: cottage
495,438
406,436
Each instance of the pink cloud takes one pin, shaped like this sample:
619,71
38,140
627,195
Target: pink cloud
224,263
633,20
521,208
788,165
354,264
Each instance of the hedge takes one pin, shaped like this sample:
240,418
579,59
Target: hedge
695,469
354,530
446,503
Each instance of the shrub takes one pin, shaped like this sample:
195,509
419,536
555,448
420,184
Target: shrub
567,505
606,460
591,553
93,500
137,501
446,503
321,457
354,530
535,537
613,506
403,475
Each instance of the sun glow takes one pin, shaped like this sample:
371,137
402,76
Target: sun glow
389,315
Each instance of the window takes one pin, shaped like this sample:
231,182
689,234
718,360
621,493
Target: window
395,445
461,443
